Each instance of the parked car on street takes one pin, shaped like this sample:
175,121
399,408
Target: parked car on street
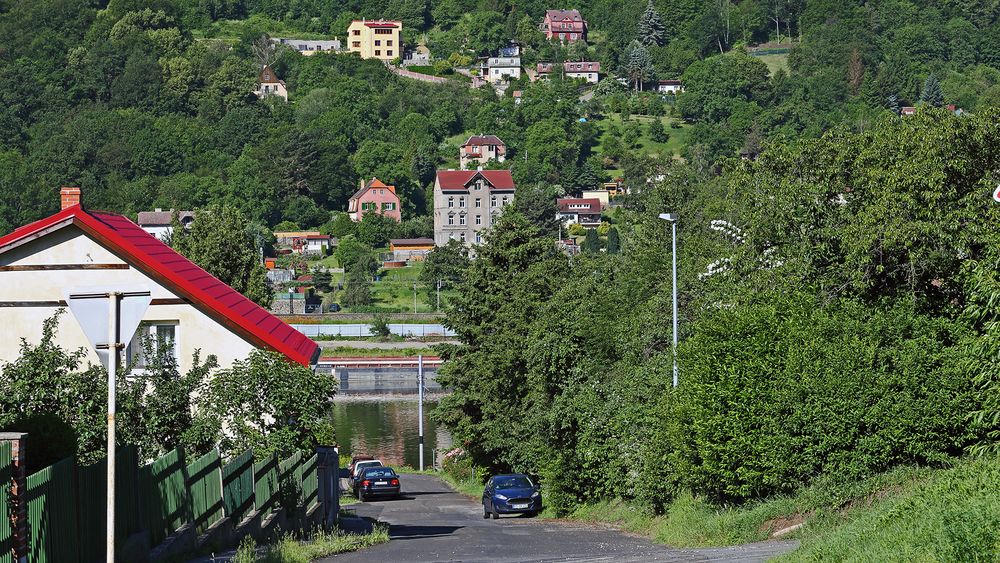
358,468
355,459
377,482
511,494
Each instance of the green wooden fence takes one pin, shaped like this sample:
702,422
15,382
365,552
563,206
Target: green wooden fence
6,474
67,504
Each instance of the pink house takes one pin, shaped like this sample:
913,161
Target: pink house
374,196
565,25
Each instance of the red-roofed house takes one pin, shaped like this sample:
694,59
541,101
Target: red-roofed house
190,309
466,202
587,70
581,211
374,197
565,25
480,149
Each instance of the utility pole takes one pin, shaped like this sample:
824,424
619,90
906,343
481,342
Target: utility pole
672,219
438,308
420,408
414,298
113,347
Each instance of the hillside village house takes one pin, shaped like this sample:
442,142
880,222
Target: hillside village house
480,149
158,222
309,47
376,39
190,309
407,249
587,70
269,85
670,87
466,203
565,25
600,195
374,197
304,242
499,67
579,211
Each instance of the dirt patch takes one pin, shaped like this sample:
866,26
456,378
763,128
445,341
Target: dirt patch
776,526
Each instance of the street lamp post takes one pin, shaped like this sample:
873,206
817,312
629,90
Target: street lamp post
672,218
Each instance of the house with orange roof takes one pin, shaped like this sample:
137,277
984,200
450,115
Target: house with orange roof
374,196
190,310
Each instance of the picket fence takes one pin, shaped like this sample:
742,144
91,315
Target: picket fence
67,503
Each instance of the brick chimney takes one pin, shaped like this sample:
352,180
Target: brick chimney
69,197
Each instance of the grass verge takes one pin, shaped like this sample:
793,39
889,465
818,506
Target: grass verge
291,549
349,351
470,488
908,514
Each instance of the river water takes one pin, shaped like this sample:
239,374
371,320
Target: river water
387,428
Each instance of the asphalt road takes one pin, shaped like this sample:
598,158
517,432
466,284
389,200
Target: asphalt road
433,523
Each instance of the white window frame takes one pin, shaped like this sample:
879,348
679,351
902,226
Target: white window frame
150,329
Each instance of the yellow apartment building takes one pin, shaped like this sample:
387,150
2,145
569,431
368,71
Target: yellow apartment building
376,39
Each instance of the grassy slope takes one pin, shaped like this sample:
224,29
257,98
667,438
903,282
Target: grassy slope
775,62
909,514
678,137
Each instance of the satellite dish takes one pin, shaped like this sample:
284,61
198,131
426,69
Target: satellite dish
996,194
89,306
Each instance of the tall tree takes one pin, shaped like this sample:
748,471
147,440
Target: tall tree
591,242
226,245
931,94
614,244
638,65
651,28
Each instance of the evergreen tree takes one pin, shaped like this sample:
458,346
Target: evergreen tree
359,288
638,65
651,29
932,93
614,244
893,103
591,243
657,132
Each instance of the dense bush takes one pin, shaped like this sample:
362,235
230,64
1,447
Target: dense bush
778,392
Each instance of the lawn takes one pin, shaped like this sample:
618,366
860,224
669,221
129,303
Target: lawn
393,292
673,146
775,62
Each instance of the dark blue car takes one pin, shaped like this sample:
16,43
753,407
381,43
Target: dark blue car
511,494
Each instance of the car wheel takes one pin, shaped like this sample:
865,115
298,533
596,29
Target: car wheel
496,515
486,513
361,497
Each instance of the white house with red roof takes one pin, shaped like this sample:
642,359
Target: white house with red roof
190,310
579,211
565,25
480,149
467,202
586,70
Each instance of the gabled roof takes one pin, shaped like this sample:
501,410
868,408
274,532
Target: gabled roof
460,179
373,183
583,66
593,205
412,242
267,76
483,140
178,274
564,15
163,218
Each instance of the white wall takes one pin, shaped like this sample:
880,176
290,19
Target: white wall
70,246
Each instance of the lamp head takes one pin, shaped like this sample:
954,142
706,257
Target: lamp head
672,217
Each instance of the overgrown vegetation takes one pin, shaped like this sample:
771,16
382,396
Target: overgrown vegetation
312,546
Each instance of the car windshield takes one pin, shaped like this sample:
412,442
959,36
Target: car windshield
514,482
379,473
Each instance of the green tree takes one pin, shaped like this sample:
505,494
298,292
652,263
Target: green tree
445,265
931,94
222,242
651,29
591,242
637,65
657,131
358,290
269,404
375,229
537,203
614,244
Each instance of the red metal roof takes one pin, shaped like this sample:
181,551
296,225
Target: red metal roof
383,23
175,272
483,140
581,205
459,179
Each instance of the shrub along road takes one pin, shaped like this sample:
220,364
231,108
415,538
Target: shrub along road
434,523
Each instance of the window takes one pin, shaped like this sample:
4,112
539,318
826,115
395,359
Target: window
158,335
389,206
356,44
389,53
378,53
451,202
451,218
378,42
461,202
504,200
463,237
388,43
493,201
356,32
479,202
368,206
479,219
479,238
461,219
